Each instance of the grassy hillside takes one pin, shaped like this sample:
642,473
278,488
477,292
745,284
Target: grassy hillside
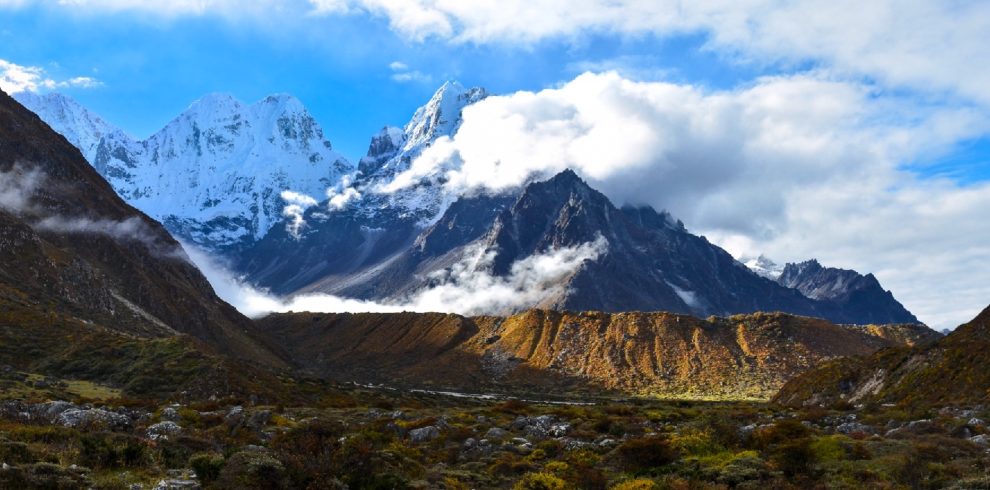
954,370
740,357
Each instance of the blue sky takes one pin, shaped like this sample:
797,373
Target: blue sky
151,68
854,132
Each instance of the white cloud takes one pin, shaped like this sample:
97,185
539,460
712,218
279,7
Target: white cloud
401,73
467,287
15,78
17,186
295,207
132,229
932,46
340,195
797,167
926,45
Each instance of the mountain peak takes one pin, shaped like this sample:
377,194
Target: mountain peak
285,102
441,116
848,288
568,176
763,266
213,101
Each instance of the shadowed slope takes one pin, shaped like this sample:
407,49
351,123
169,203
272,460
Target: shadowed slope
69,244
955,370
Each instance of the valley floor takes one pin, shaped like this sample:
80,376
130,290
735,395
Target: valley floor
356,437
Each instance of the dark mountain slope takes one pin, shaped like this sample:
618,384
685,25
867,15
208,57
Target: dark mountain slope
70,245
853,294
651,262
955,370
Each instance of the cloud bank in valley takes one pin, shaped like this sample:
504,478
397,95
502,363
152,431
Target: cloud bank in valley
467,287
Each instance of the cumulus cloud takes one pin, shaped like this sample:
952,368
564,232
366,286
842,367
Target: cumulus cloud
927,45
468,287
294,210
15,78
793,166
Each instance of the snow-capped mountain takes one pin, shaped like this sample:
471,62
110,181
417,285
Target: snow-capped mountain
214,175
372,226
763,266
393,150
77,124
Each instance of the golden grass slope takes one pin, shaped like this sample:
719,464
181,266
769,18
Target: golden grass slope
662,354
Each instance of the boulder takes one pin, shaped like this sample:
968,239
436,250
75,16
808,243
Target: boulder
94,419
424,434
163,431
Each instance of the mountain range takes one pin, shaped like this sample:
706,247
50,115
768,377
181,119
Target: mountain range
217,176
91,288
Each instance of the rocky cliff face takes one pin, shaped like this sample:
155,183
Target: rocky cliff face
746,356
70,246
949,371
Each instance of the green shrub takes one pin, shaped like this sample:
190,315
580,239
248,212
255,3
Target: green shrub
104,450
540,481
207,466
15,452
637,484
794,458
249,470
645,453
783,431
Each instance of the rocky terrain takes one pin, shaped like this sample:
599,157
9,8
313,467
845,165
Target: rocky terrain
121,369
374,438
539,351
